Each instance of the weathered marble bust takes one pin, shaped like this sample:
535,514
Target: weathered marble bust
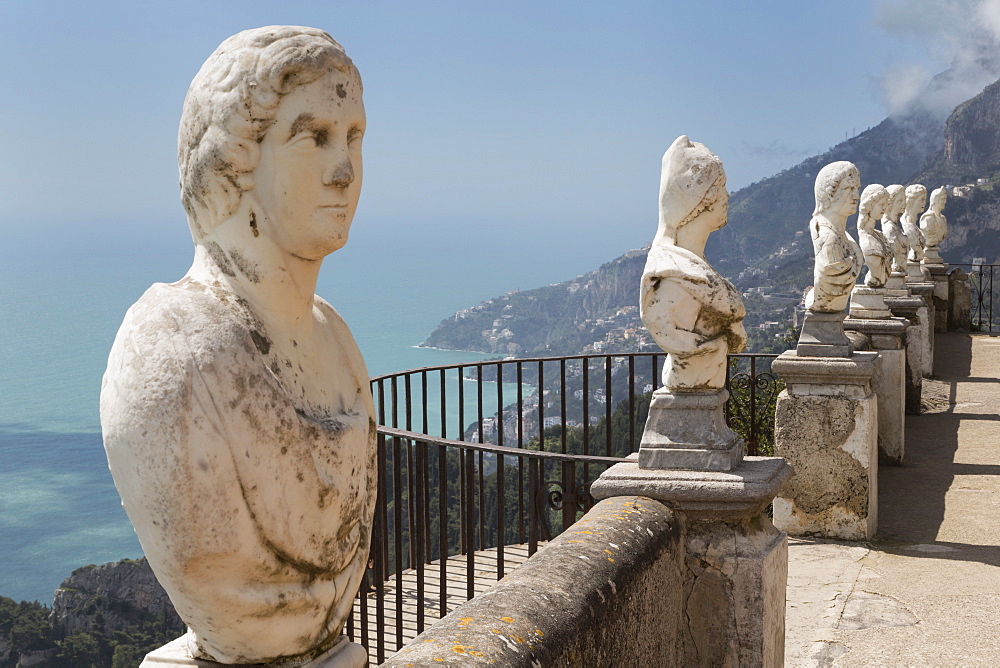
868,300
893,233
691,311
934,226
838,257
694,314
837,263
874,246
916,200
236,412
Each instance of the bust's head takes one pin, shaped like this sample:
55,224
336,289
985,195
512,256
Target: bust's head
897,200
874,199
939,197
235,109
692,186
836,189
916,200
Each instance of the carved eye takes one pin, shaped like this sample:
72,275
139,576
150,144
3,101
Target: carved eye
315,139
354,137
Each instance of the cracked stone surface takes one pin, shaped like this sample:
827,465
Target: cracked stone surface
926,590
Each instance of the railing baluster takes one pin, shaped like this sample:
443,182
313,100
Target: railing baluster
631,404
607,405
520,444
397,507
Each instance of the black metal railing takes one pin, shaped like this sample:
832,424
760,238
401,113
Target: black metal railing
983,289
481,456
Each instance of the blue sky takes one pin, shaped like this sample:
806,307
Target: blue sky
519,118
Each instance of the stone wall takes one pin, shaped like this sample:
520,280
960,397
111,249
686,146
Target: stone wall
608,591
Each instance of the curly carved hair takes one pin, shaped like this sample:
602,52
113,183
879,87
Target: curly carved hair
231,104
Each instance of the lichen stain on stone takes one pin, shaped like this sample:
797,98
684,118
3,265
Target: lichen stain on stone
825,475
341,93
219,257
246,267
262,343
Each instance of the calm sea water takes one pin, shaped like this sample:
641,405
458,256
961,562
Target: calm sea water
62,300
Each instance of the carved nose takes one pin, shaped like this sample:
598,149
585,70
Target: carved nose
340,174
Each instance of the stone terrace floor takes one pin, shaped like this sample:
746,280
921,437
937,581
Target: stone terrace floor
926,591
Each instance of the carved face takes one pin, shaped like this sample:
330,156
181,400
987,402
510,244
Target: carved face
308,180
939,197
846,197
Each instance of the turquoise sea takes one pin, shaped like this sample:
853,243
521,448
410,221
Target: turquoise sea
62,298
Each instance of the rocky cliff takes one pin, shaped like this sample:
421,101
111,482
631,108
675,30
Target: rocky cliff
115,596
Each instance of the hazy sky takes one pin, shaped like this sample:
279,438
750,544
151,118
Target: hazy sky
513,117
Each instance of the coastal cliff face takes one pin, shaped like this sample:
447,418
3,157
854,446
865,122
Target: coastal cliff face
115,595
972,135
561,318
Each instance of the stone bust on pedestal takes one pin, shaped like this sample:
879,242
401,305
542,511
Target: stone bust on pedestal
837,263
236,411
868,300
916,200
693,313
893,232
934,226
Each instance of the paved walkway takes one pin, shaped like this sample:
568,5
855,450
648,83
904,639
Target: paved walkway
926,591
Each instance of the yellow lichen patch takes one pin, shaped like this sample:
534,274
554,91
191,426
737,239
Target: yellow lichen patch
509,620
466,620
586,532
475,653
459,649
496,631
438,659
518,639
539,632
608,552
431,640
611,560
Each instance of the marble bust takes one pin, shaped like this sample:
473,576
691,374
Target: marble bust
837,262
915,201
837,255
868,300
893,233
874,246
236,413
934,225
694,314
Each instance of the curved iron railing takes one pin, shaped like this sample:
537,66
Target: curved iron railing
480,456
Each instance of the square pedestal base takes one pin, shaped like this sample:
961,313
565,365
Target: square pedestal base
826,426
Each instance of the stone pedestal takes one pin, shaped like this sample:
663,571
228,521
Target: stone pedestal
826,426
896,285
868,302
907,307
823,335
343,654
887,338
939,276
925,314
687,430
915,273
736,560
959,301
